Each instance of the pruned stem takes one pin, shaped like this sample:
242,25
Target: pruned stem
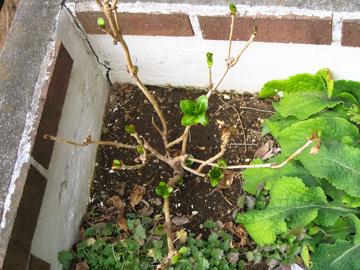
89,141
118,37
231,62
191,170
231,34
222,151
293,155
181,138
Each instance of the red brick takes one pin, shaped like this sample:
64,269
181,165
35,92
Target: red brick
26,204
51,104
285,29
38,264
350,33
141,24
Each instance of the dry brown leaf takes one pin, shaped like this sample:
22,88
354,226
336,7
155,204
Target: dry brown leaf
227,180
82,266
86,217
118,204
120,188
125,88
180,220
267,151
147,211
238,231
82,235
136,195
122,224
198,237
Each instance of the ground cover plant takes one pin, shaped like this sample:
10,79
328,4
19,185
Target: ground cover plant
296,205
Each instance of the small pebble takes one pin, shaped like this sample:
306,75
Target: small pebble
146,101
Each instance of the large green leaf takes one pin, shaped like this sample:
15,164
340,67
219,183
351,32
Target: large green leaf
341,229
351,87
343,255
254,176
328,80
290,200
333,130
298,83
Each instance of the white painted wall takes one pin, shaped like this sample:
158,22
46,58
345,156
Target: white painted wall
71,168
180,61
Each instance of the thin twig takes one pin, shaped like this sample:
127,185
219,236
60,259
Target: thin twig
89,141
250,108
241,124
181,138
222,151
191,170
231,34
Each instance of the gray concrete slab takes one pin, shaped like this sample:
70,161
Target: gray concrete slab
20,61
333,5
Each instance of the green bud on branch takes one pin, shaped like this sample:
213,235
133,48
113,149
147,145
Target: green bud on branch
215,175
209,59
130,129
232,9
101,23
163,190
139,149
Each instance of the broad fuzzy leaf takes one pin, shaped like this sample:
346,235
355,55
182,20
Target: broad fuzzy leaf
351,87
343,255
297,83
254,176
328,80
290,200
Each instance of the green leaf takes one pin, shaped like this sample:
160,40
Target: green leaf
328,80
65,257
188,107
139,232
343,255
354,113
179,180
343,86
222,163
241,201
305,255
188,120
210,224
293,201
188,163
202,119
202,104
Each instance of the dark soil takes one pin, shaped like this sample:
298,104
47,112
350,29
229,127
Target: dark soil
195,199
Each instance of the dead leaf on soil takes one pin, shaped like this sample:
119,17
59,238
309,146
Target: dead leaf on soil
122,224
198,237
267,151
82,235
82,266
238,231
178,221
182,235
227,180
120,188
147,211
136,195
118,204
125,89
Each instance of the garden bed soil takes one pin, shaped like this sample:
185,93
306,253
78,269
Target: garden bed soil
196,198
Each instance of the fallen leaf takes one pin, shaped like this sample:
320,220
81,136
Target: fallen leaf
122,224
147,211
220,224
86,217
267,151
198,237
136,195
82,266
180,220
120,188
238,231
82,235
125,88
227,180
118,204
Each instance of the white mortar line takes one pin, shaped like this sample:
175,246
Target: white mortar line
24,148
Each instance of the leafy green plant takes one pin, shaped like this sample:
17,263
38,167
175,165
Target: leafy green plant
194,112
318,190
222,163
163,190
138,251
215,175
